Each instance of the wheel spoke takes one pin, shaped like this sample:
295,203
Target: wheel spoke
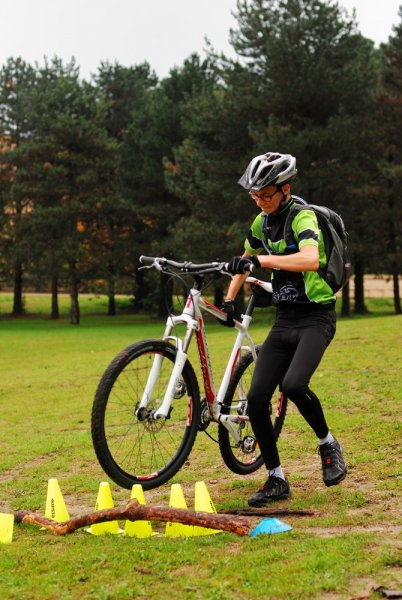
131,448
246,457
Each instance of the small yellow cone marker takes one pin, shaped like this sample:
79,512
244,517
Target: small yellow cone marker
103,501
55,505
177,500
139,529
203,502
6,528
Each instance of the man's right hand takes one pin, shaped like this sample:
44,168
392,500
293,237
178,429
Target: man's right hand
228,308
239,265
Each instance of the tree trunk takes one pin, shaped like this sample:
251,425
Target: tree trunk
397,297
142,289
394,252
360,307
165,296
345,312
18,304
111,310
55,298
75,308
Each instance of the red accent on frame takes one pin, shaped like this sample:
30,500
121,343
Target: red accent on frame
212,305
205,366
235,361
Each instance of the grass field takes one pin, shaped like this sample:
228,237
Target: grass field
346,549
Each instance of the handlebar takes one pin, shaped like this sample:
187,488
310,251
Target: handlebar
162,264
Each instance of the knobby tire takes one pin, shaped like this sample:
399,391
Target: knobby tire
143,451
246,458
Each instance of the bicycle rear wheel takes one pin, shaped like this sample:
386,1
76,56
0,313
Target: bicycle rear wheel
138,449
245,457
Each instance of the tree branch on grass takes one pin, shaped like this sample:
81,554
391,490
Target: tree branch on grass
133,511
263,512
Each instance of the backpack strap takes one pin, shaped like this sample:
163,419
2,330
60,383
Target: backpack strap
337,270
288,234
300,200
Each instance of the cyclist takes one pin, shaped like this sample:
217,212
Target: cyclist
305,318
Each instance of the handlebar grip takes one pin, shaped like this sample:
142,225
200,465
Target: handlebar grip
226,268
147,260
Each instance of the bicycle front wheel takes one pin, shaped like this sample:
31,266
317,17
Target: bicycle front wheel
244,458
139,449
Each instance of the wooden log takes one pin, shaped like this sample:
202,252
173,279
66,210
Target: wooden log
133,511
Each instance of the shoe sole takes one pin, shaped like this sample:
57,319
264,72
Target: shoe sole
336,481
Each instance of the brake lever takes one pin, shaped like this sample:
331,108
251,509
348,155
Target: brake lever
155,265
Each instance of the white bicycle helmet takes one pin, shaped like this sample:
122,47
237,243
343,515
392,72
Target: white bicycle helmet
271,168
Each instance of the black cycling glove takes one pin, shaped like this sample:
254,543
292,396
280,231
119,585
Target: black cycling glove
228,308
238,265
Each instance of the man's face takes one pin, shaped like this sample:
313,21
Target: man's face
269,198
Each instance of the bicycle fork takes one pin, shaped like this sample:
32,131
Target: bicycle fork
180,361
163,410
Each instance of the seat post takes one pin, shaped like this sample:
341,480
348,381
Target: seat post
250,306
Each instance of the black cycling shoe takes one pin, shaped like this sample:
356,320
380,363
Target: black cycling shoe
275,488
333,464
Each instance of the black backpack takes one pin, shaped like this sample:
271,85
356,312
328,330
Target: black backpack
338,268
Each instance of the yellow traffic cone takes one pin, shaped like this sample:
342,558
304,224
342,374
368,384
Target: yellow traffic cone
6,528
177,500
103,501
55,506
139,529
203,502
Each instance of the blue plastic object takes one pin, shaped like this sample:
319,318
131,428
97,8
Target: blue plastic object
271,525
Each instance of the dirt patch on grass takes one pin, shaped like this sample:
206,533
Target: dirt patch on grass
361,504
392,530
18,471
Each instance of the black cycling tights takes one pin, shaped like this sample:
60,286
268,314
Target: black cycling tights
290,355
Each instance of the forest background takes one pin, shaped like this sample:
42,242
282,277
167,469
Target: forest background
95,173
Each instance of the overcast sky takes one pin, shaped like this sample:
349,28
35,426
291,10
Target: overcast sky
161,32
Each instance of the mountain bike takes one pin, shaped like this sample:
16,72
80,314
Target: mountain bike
148,408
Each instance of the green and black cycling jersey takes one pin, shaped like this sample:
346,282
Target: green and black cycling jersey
266,236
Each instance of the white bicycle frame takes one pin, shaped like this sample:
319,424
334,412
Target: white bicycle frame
193,319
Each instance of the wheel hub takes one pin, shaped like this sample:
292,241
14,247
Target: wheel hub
249,444
149,421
